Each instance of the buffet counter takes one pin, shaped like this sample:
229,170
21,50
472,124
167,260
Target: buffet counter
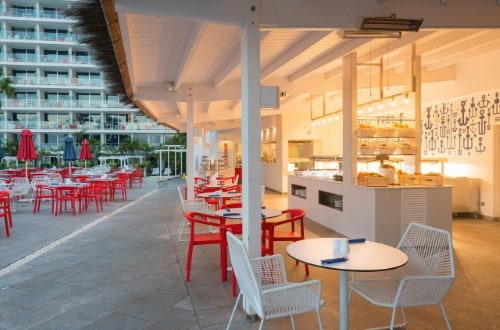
380,214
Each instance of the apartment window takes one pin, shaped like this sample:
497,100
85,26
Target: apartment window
23,55
82,58
56,78
26,98
89,78
56,99
23,33
56,34
55,56
23,11
48,13
115,121
24,77
25,120
88,100
56,120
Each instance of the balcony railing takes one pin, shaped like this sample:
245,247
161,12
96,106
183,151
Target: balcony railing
41,36
33,13
78,126
40,59
59,81
23,103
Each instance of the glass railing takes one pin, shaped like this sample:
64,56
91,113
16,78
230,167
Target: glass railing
43,103
59,81
35,58
31,13
51,125
17,57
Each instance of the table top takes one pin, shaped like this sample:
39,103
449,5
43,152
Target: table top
363,257
223,194
68,185
101,179
237,213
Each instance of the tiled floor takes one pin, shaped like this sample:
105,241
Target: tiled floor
125,268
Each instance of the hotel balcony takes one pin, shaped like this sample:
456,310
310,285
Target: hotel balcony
90,127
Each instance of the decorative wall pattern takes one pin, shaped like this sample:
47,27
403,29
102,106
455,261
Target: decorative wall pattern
459,127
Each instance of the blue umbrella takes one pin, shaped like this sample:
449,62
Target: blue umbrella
1,152
69,153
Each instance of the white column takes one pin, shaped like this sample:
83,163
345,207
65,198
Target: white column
190,166
417,65
250,127
350,116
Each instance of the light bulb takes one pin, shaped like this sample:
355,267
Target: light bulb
370,108
393,103
380,106
406,100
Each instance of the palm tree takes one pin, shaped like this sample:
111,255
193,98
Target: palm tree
6,86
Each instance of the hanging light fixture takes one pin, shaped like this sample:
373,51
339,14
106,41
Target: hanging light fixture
406,100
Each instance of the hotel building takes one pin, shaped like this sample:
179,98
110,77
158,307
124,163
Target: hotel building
60,88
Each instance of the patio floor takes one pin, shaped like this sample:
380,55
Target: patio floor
123,269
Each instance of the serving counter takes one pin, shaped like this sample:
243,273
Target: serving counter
379,214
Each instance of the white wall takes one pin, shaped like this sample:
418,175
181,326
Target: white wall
477,78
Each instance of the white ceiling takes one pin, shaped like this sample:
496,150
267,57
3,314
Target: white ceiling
196,45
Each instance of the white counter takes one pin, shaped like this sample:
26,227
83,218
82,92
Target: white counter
380,214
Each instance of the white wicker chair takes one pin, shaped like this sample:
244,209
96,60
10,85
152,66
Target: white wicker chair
424,280
263,283
193,205
20,192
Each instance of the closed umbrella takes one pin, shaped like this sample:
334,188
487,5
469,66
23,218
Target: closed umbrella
69,153
26,151
85,153
1,152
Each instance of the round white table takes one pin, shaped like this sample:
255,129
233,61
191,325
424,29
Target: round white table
363,257
220,195
237,213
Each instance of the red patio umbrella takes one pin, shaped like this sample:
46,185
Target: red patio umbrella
85,153
26,151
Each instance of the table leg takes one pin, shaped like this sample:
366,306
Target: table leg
343,300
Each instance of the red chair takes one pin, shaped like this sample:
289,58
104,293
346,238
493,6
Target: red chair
228,200
94,192
63,195
206,229
291,229
119,184
136,177
213,202
5,211
200,181
43,192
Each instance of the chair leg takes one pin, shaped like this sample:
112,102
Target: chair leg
393,318
234,310
223,262
188,262
7,231
445,317
320,324
180,231
233,283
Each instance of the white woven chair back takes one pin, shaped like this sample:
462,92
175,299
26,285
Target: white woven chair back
245,275
429,250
